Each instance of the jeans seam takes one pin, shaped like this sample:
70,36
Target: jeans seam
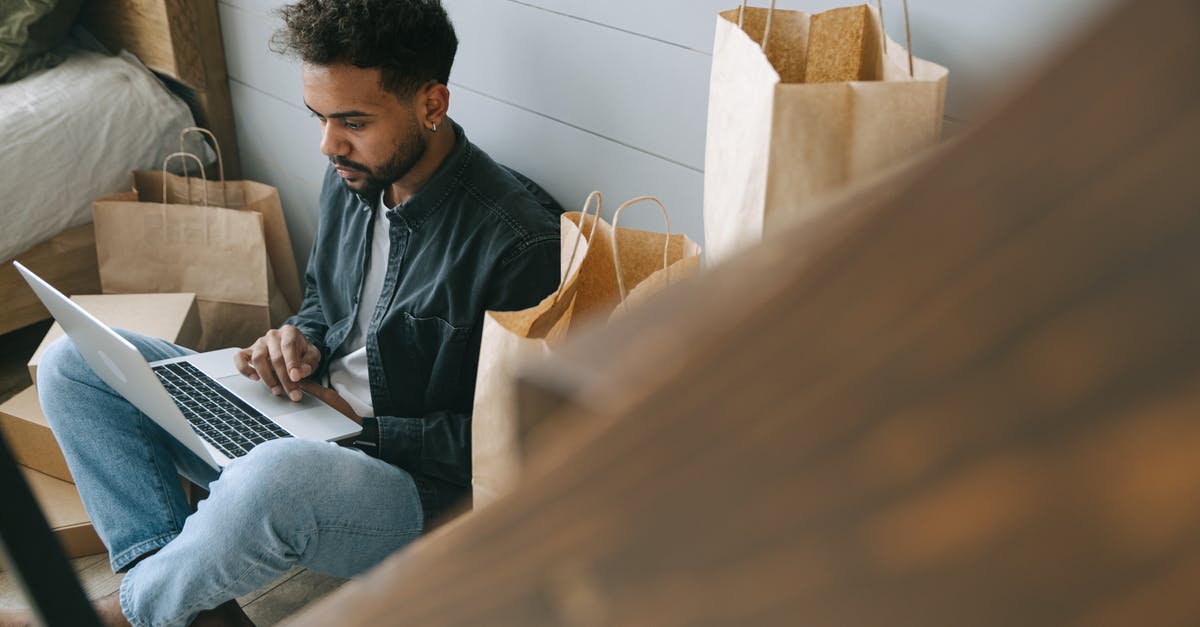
119,562
162,481
360,530
197,607
126,605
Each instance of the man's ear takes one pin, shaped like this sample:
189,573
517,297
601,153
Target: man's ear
434,103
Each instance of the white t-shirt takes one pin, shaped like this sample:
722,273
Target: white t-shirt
348,369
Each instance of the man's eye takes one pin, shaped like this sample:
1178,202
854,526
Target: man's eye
355,126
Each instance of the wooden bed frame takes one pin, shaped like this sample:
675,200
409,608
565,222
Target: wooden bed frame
181,41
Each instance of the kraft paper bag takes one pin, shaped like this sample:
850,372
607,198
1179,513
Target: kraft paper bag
245,195
591,291
146,245
649,262
776,144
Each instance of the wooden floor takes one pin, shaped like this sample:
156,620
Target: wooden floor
265,606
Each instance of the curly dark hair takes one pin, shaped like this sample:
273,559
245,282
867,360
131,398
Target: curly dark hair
411,41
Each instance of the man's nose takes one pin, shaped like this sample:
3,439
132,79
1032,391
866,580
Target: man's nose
332,143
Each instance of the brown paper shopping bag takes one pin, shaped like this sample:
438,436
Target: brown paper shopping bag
602,266
649,262
511,337
245,195
145,244
776,142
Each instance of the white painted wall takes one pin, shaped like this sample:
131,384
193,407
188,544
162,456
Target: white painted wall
609,94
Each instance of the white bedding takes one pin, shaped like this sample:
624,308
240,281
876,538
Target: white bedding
73,133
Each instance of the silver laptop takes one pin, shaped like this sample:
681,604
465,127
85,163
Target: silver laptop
201,399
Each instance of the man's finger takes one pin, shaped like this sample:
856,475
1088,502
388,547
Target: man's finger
291,346
260,358
279,367
295,348
311,359
297,373
241,361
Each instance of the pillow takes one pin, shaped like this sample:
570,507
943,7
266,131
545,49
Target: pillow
29,30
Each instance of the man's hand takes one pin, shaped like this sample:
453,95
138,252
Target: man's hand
331,398
280,359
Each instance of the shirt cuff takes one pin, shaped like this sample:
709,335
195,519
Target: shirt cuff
368,440
400,442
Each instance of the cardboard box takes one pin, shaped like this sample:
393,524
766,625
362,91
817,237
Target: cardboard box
64,511
29,436
172,317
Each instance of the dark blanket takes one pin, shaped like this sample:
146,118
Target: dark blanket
29,32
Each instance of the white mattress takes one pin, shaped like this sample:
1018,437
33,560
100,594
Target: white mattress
73,133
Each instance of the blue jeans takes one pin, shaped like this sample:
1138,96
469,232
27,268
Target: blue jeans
288,502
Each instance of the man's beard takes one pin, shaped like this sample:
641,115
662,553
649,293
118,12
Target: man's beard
406,155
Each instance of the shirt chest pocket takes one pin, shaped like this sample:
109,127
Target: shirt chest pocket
433,372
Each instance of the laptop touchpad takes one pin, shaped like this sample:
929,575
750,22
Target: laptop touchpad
257,394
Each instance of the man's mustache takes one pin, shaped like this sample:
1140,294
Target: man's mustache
346,163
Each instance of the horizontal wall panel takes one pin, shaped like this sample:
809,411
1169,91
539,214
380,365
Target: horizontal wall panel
570,163
265,8
280,146
690,23
685,23
249,60
637,91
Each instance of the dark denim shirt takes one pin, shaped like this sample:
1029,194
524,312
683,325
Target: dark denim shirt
477,236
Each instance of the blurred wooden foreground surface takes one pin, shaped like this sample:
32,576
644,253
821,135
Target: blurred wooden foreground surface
973,400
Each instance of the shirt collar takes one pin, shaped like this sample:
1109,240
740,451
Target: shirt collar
433,194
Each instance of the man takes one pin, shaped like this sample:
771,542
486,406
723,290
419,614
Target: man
420,232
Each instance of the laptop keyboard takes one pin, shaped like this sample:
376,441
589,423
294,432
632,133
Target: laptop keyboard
222,419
